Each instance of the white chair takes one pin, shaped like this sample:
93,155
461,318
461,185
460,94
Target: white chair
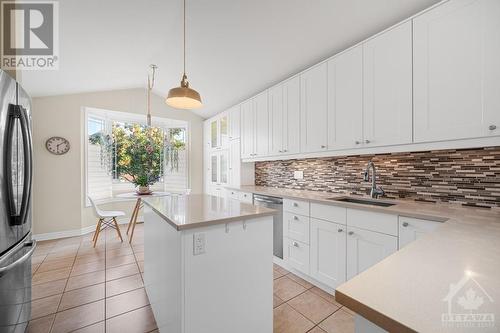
107,218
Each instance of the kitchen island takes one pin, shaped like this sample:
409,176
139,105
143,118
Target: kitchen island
208,264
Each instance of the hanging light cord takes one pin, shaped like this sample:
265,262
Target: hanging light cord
184,37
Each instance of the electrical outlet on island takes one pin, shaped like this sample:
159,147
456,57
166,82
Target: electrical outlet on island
199,244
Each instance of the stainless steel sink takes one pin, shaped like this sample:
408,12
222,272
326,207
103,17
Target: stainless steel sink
364,201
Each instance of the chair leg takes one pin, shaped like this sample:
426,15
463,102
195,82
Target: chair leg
134,214
96,228
98,231
117,229
135,221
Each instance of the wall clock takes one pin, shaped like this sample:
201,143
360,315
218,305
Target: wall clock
57,145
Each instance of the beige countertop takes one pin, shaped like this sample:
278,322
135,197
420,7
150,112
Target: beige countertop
407,291
200,210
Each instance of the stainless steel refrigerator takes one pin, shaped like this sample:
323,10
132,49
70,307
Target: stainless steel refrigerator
16,245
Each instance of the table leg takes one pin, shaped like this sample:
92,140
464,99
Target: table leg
135,220
134,214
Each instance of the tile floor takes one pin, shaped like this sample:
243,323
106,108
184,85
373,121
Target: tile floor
77,288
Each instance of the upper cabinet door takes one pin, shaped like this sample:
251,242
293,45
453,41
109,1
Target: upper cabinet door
276,120
214,133
387,71
457,70
261,124
247,129
234,122
223,130
291,107
313,109
345,100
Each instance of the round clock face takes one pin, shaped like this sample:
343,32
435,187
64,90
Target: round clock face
57,145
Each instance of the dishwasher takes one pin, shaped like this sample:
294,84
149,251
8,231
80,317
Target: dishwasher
276,204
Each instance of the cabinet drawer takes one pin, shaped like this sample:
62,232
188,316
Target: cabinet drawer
329,213
297,255
379,222
232,194
411,228
246,197
296,227
296,206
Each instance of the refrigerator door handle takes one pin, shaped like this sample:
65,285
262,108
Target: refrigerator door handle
17,112
26,256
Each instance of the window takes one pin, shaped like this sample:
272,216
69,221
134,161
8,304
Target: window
120,148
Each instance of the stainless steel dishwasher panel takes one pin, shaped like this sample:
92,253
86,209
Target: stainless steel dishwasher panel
276,204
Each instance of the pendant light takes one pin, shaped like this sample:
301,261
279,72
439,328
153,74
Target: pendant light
184,97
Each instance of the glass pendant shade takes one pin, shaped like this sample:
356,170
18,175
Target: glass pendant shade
184,97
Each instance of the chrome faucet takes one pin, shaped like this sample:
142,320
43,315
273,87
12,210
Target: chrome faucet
375,191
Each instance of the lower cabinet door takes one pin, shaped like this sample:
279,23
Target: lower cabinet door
298,255
366,248
410,229
328,252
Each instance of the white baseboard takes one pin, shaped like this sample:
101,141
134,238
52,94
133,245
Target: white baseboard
72,233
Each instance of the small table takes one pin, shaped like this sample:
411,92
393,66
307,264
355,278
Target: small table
137,207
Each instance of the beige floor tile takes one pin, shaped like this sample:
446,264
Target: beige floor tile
300,281
312,306
346,309
140,320
316,329
54,275
82,296
85,280
126,302
329,297
280,269
287,320
119,261
94,328
88,258
122,285
79,269
40,325
48,289
53,256
55,265
79,317
121,271
277,301
37,259
89,249
286,289
141,266
277,274
339,322
44,306
119,252
139,256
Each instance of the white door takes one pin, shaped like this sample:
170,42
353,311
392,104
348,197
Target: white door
366,248
328,252
457,70
410,229
223,130
234,163
291,114
276,120
261,124
345,100
387,92
313,109
234,122
247,129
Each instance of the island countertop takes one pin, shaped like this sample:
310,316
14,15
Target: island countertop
200,210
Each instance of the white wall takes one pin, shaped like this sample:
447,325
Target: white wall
58,198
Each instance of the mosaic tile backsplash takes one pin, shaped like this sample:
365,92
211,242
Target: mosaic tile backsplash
468,177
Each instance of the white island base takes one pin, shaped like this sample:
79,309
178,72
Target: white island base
228,288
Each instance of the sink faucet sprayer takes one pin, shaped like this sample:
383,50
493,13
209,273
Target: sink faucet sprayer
375,191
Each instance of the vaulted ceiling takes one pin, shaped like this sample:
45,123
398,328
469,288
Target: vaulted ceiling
236,48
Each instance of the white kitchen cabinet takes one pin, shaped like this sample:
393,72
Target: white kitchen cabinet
296,227
366,248
284,118
219,172
234,163
313,109
456,56
410,229
247,130
297,255
261,124
345,100
387,88
328,252
234,115
219,135
245,197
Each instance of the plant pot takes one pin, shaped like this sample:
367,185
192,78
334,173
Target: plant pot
143,190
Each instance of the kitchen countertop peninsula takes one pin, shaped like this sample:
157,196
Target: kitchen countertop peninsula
416,289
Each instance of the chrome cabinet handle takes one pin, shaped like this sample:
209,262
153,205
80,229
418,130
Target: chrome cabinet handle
367,141
295,244
323,146
340,230
284,150
295,204
351,233
405,224
357,142
295,217
492,127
